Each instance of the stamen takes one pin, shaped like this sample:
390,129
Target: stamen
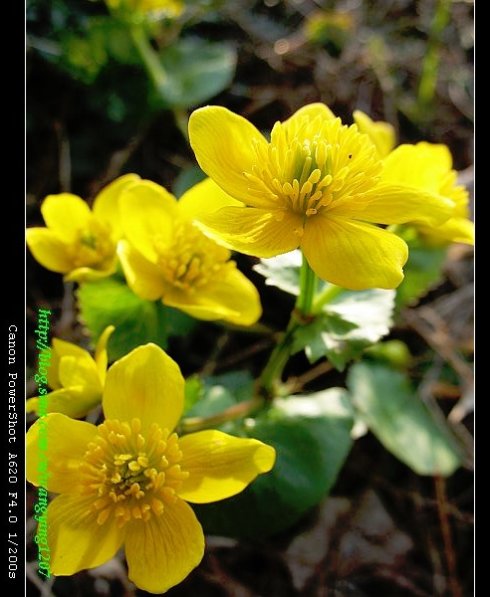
190,260
309,164
94,246
131,476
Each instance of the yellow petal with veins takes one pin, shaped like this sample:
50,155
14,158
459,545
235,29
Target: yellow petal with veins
354,255
145,384
164,550
225,162
76,540
221,465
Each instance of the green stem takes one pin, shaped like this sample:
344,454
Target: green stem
280,355
326,296
307,288
148,56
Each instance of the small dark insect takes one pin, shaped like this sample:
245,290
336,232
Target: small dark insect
350,156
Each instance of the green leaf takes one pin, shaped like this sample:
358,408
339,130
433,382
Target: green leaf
423,271
83,57
214,400
324,336
117,39
239,383
348,324
197,70
111,302
403,423
222,391
311,435
175,322
84,54
393,352
282,271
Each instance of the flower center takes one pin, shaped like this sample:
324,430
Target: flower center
130,475
311,165
191,260
94,246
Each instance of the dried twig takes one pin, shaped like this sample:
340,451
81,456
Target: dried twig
454,586
428,324
296,384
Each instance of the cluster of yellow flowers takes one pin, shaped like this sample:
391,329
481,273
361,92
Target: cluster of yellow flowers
163,253
317,184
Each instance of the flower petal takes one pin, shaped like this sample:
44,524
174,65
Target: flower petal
75,371
354,255
203,198
60,349
65,214
58,443
382,134
100,357
106,204
231,297
75,538
147,211
311,111
221,465
142,276
88,274
457,230
146,384
396,204
74,402
49,250
423,166
162,551
254,231
224,146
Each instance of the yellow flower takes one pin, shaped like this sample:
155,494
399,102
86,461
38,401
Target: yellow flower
169,8
428,167
78,242
127,481
76,378
165,256
316,185
424,166
382,134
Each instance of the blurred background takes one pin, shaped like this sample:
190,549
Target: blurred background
96,110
